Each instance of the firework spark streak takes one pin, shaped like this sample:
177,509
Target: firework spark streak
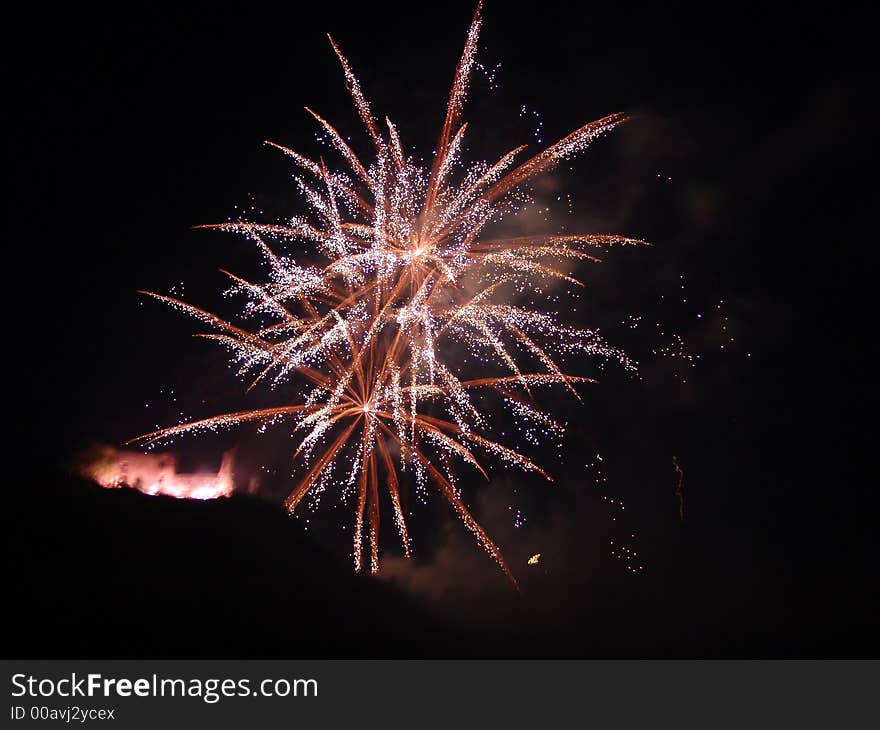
405,279
679,487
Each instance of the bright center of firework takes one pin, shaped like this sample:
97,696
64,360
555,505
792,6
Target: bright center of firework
409,295
418,251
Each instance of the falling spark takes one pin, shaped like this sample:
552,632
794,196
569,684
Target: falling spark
679,487
535,559
373,334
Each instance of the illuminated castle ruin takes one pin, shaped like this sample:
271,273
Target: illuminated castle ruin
157,474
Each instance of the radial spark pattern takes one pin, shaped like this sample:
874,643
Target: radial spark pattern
371,300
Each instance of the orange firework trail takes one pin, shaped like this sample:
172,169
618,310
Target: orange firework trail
405,278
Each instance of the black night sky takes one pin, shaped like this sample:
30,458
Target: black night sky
742,167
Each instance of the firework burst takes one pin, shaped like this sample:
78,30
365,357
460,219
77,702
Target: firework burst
399,276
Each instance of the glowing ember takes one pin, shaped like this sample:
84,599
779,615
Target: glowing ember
157,474
380,303
535,559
